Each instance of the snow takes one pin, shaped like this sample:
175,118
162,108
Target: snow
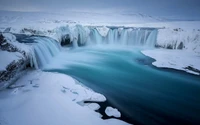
112,112
103,31
30,19
7,58
173,37
43,98
11,39
175,59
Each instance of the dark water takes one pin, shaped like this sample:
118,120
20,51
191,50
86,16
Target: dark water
144,94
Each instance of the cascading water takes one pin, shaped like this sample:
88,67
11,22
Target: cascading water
46,48
120,36
95,37
43,51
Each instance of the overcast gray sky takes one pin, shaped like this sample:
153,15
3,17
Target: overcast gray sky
165,8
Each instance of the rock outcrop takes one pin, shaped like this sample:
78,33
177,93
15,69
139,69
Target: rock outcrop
13,69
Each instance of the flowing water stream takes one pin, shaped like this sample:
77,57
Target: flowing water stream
144,94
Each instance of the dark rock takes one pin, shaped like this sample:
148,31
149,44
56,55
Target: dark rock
192,69
175,29
13,69
178,29
32,31
65,40
169,46
158,46
180,46
144,61
7,29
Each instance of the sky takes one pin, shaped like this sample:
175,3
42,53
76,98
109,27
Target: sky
189,9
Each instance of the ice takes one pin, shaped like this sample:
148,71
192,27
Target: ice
112,112
93,106
103,31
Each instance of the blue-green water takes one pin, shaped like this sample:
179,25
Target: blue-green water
144,94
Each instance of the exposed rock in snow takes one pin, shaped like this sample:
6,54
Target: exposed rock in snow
176,59
179,39
14,45
65,40
42,98
13,59
112,112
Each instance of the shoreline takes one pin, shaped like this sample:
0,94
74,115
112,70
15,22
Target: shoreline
174,59
57,93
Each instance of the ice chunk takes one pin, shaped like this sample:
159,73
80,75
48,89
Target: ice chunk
94,106
112,112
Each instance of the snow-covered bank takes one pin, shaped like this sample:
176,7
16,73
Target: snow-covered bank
175,59
14,58
42,98
10,57
186,39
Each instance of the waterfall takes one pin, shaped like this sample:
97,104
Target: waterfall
43,50
95,37
151,39
119,36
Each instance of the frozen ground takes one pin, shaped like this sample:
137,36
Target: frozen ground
43,98
175,59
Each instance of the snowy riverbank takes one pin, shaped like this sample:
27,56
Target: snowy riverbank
43,98
176,59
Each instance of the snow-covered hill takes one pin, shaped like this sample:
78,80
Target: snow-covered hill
13,19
